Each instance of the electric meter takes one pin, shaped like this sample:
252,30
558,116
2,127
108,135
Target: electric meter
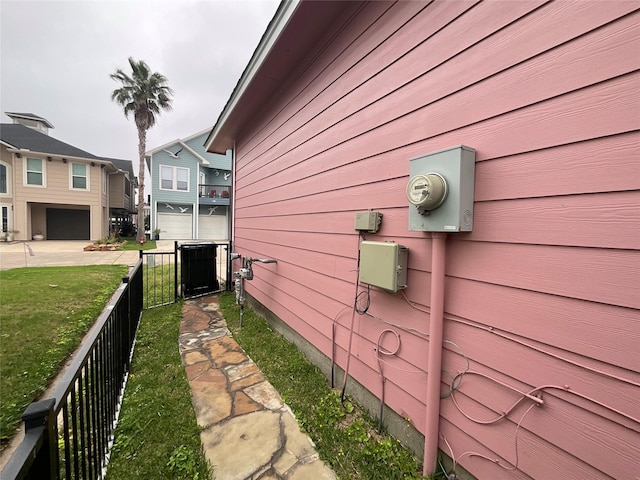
427,192
443,201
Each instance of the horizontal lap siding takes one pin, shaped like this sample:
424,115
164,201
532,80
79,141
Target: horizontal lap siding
58,189
430,86
603,164
544,291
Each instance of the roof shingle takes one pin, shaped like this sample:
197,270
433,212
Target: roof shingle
19,136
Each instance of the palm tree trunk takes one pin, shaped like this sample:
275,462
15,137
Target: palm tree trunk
142,147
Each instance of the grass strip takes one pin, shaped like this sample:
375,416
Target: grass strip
346,437
157,435
131,243
44,314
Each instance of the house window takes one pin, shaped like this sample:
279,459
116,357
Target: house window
174,178
79,178
4,178
5,218
35,171
104,181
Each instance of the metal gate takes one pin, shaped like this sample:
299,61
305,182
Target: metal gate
192,269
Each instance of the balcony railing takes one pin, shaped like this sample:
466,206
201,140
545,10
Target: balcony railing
213,191
212,194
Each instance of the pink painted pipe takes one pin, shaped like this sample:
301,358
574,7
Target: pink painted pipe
432,428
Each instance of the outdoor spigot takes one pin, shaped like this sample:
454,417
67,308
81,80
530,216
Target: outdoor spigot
265,260
234,256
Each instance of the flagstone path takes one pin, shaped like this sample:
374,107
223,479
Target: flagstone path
248,433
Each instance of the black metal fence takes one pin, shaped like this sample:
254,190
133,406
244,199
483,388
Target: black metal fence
69,435
160,274
192,269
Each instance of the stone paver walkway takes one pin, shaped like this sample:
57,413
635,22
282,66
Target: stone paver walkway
248,431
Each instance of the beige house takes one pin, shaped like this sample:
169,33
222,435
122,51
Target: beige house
54,189
122,186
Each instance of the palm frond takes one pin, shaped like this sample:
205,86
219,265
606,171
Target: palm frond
143,93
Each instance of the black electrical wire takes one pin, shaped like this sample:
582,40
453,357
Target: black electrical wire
366,295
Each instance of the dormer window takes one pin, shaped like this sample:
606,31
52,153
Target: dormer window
34,124
30,120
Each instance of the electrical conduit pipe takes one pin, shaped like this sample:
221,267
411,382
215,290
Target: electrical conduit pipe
436,320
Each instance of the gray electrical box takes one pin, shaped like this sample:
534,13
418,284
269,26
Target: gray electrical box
441,190
384,265
368,221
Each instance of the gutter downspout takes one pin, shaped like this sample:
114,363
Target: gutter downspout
153,210
436,320
232,205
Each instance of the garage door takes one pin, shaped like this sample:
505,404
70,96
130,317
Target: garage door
68,224
212,227
175,226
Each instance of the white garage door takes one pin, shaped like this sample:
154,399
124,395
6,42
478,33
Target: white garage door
175,226
212,227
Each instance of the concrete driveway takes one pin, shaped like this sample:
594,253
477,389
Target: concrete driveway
56,253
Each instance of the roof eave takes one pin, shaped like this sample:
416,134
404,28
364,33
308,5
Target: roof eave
196,135
8,145
220,140
31,116
176,141
26,151
200,158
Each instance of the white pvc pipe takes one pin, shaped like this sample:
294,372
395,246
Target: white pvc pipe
432,427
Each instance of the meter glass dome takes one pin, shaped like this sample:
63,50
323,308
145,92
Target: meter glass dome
427,192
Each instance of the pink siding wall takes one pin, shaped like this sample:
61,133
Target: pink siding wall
544,291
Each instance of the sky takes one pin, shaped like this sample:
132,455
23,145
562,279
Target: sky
56,57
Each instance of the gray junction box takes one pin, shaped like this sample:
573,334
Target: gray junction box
457,166
384,265
368,221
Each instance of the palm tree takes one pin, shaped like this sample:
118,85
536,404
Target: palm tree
144,94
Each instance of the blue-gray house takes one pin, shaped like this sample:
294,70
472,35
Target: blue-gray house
190,190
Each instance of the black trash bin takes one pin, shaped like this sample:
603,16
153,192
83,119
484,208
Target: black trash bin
199,275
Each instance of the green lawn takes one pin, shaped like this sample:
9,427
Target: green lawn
132,244
159,282
44,314
157,435
346,437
